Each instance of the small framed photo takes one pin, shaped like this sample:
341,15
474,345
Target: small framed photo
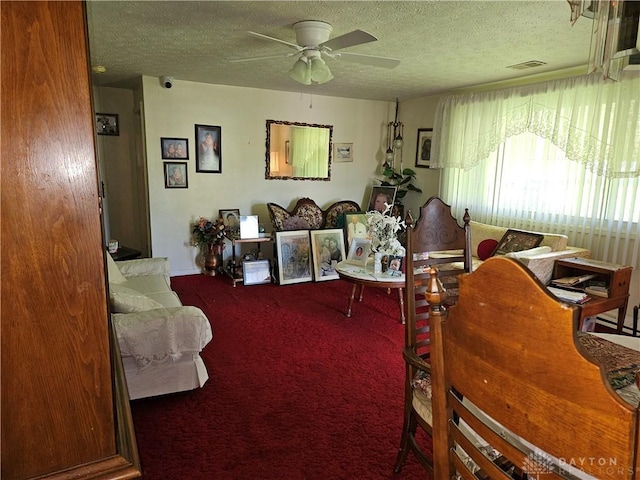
327,247
209,149
516,241
342,152
355,226
381,195
395,266
230,217
293,249
256,272
174,148
359,252
423,148
249,227
175,175
107,124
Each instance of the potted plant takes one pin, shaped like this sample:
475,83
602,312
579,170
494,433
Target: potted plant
209,236
403,180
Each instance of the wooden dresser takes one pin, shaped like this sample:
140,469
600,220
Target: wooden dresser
65,411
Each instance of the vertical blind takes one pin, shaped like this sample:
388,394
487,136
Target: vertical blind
560,157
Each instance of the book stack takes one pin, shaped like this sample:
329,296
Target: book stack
569,295
578,289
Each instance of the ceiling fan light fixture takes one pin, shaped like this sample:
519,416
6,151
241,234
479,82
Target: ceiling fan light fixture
301,71
320,72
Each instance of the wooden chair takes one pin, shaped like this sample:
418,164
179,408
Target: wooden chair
510,378
436,231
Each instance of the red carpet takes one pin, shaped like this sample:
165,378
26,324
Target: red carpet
296,389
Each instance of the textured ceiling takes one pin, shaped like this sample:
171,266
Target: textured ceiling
443,45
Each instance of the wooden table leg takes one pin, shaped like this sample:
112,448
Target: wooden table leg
361,292
622,312
401,303
353,295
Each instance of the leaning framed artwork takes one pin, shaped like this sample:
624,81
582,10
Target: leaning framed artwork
293,248
516,241
107,124
327,247
175,175
177,148
209,149
355,226
256,272
423,147
381,195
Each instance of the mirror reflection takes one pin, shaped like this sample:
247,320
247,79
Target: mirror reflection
298,151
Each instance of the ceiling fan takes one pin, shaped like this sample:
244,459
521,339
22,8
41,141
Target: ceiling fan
312,43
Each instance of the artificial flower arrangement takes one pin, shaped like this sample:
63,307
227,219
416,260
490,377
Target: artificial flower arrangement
206,232
383,230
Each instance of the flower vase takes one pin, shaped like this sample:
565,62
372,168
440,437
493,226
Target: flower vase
213,259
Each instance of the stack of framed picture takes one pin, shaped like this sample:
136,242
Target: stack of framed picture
307,255
312,255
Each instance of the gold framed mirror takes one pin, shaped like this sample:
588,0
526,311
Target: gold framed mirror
298,151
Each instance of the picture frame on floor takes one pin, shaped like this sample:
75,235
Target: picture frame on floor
256,272
355,226
381,195
293,250
327,247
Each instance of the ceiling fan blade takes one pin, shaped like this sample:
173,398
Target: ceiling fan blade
251,59
373,60
357,37
266,37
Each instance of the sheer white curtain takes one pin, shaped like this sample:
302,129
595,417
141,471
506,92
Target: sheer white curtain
310,151
556,157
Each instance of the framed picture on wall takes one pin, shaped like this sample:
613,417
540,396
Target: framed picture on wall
175,175
174,148
107,124
423,148
208,149
342,152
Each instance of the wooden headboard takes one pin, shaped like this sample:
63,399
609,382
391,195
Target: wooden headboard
510,348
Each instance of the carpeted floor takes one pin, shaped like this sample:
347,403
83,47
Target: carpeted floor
296,389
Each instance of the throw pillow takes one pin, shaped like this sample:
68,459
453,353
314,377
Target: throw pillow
113,272
126,300
486,248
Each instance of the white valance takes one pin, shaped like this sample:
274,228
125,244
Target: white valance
595,121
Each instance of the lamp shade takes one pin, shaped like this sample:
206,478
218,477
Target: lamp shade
320,72
301,71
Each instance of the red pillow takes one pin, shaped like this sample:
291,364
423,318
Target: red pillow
486,248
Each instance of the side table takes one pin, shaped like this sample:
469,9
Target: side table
617,278
232,269
366,277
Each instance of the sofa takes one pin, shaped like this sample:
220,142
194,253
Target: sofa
540,260
307,215
160,340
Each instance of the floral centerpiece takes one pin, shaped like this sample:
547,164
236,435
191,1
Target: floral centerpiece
383,230
205,232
